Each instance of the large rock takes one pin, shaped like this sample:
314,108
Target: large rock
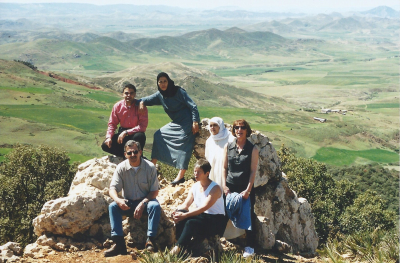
82,214
282,216
10,252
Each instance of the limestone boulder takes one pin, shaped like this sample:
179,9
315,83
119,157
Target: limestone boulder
284,218
72,214
83,214
10,252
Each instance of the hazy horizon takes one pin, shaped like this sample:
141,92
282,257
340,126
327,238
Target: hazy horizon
305,6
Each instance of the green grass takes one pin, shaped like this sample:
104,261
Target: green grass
78,158
383,105
4,151
340,157
102,96
29,90
83,120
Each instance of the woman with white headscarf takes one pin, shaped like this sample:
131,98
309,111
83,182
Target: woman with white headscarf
215,144
220,136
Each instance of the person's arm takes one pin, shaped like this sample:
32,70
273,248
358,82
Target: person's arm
115,187
120,201
253,171
188,201
140,207
112,125
212,197
193,108
151,100
225,171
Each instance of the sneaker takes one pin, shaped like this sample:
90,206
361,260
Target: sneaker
248,252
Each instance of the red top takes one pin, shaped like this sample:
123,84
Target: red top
128,118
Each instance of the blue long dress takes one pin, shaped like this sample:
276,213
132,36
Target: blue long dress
173,143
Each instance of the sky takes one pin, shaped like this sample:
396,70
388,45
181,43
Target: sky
253,5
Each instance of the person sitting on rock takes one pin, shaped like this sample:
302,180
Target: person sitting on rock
136,177
132,123
208,218
239,173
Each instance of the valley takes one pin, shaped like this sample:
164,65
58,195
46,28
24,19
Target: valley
278,75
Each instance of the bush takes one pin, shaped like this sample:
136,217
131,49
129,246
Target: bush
337,206
328,198
29,177
366,214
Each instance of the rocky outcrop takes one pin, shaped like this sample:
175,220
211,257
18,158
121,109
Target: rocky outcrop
283,218
10,252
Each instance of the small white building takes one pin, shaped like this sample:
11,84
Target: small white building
319,119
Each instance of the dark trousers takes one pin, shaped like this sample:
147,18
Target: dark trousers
250,234
118,149
201,226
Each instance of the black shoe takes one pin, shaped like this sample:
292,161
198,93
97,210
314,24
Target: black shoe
119,248
180,181
150,245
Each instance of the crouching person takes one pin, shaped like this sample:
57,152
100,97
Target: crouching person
137,179
208,218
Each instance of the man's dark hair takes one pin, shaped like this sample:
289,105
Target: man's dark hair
129,86
204,165
132,142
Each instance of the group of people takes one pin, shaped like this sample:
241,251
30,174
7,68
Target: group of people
225,178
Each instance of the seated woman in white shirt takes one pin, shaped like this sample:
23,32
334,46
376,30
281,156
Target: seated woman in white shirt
208,218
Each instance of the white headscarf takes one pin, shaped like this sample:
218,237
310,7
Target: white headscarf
223,132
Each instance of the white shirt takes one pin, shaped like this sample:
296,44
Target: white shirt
200,197
214,153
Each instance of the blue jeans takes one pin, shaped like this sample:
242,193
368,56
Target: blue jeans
153,209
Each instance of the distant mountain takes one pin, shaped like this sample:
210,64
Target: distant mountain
196,82
346,24
119,17
271,26
382,11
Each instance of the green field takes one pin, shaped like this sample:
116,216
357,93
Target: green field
341,157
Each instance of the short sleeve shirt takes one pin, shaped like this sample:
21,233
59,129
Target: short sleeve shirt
135,185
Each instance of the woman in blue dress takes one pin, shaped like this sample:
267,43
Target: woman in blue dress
173,143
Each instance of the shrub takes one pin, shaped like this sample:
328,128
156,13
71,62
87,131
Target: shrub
29,177
328,198
367,213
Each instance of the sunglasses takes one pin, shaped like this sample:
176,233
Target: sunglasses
132,152
239,127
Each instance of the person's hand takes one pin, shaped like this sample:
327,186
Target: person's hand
121,203
139,211
245,194
226,190
142,108
108,142
122,136
178,216
195,127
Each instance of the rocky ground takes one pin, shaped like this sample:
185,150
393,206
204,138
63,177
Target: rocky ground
96,255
